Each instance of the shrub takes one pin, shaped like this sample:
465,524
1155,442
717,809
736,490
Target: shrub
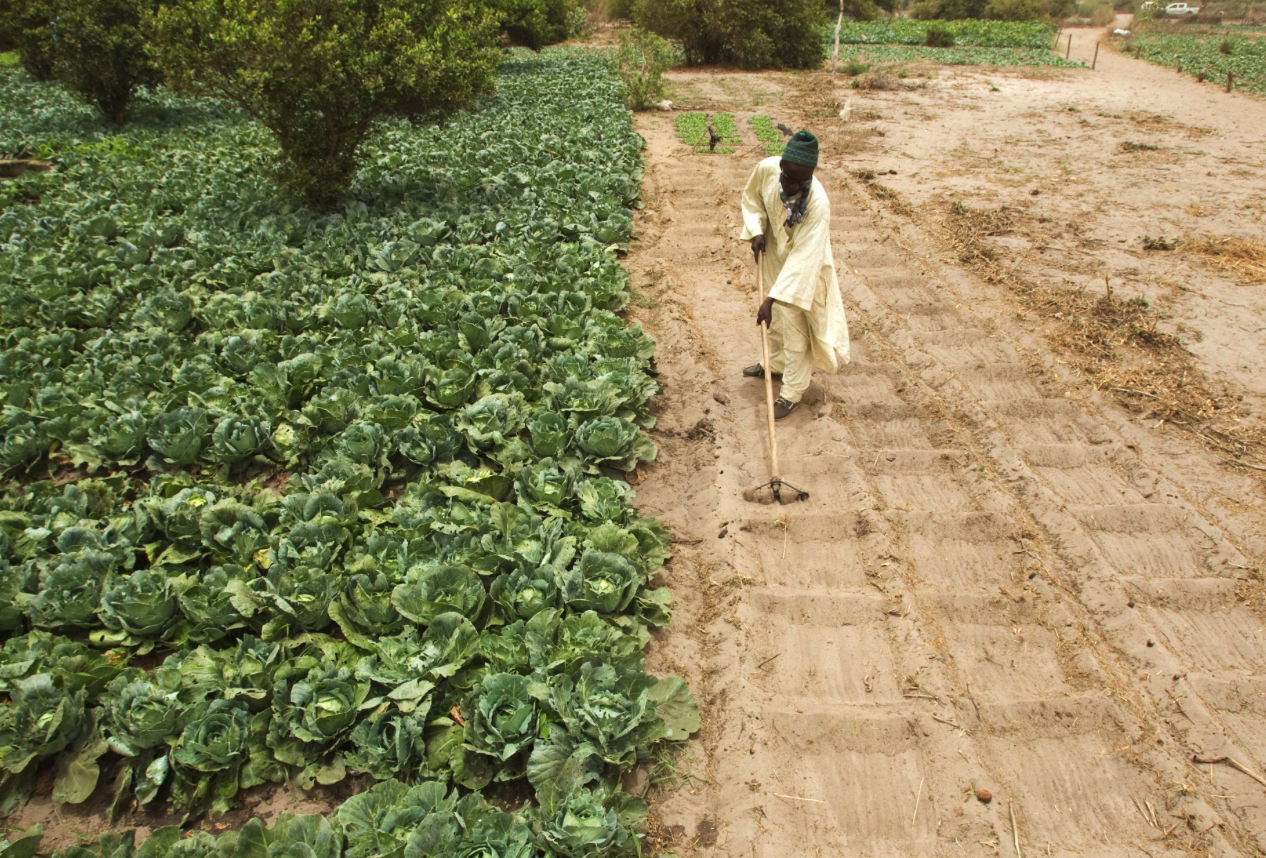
939,37
537,23
319,75
641,60
26,24
752,34
955,10
99,52
926,10
1103,15
1227,47
854,68
1014,10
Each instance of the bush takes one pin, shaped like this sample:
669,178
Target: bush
319,75
926,10
752,34
537,23
939,37
27,26
99,52
1227,47
1103,15
642,59
1014,10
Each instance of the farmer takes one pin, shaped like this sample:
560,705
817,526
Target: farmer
788,218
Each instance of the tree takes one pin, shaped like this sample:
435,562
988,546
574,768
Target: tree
99,52
752,34
319,74
27,25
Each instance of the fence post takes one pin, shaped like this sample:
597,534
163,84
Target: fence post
836,53
1230,80
1095,61
1068,53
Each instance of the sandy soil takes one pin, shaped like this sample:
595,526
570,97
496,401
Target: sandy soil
1003,581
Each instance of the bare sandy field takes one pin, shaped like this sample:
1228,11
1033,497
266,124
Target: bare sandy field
1010,577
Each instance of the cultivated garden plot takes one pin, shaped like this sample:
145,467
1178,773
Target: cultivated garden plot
1015,605
1209,57
296,498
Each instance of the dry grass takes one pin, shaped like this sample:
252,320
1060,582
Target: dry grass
1114,343
1244,258
886,195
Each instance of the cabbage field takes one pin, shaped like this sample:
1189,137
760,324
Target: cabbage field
1208,56
292,497
966,56
967,32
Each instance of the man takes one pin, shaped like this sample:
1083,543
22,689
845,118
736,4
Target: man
788,218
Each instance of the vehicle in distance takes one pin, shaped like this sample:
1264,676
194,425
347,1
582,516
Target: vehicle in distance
1180,10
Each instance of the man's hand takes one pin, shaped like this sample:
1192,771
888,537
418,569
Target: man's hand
765,313
758,246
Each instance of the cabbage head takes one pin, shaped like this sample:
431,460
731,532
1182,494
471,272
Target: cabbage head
179,517
179,436
389,743
492,421
312,714
236,439
139,606
615,442
379,821
207,601
609,708
591,823
433,590
608,582
364,607
524,592
551,434
139,716
208,755
233,531
121,439
501,715
70,592
291,836
42,719
450,384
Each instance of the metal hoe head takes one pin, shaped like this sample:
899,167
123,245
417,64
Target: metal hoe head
776,491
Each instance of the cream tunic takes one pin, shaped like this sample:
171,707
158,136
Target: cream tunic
798,265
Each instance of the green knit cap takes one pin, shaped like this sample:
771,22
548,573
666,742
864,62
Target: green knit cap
802,149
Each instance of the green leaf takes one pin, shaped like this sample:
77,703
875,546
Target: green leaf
676,707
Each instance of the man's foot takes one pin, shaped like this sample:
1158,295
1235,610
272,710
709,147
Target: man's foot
758,371
782,408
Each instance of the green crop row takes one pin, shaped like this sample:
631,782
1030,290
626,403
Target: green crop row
768,134
355,486
692,129
1209,57
968,33
957,56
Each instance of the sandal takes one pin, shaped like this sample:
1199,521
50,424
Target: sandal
782,408
758,371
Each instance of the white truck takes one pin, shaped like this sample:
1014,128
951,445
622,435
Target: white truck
1181,10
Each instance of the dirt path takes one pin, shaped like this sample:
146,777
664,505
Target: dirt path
1002,581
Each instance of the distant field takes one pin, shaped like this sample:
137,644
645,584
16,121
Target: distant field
1204,55
981,34
965,56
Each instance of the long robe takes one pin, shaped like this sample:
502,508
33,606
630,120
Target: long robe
798,265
